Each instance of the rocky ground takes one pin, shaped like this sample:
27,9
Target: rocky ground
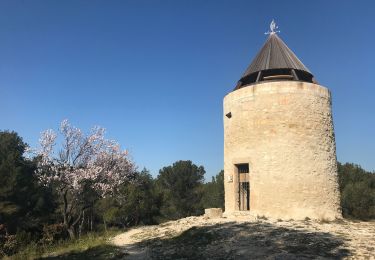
240,238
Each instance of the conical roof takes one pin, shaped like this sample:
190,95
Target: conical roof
275,61
275,54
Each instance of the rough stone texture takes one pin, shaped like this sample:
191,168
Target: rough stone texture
234,238
213,213
284,130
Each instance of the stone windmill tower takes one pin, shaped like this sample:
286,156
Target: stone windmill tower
279,144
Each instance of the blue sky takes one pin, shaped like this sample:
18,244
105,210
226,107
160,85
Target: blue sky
154,73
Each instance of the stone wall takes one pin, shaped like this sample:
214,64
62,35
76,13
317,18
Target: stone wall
284,130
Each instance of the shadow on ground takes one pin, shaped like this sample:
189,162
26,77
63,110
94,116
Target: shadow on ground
246,241
105,251
228,241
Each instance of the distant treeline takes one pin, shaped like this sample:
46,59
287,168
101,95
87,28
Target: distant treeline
357,188
31,212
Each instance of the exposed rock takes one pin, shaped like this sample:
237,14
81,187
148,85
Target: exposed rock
233,238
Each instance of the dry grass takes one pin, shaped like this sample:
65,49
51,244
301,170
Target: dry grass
89,242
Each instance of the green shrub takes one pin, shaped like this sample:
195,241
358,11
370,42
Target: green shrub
11,245
54,233
357,188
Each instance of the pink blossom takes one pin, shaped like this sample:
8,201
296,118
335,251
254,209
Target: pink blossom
82,158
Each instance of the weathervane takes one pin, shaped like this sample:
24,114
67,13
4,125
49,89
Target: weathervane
273,28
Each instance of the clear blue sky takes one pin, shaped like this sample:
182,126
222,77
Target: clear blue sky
154,73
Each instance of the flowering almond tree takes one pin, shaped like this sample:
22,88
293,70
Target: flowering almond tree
85,163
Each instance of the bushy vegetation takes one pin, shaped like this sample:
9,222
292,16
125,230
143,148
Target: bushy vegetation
30,212
179,185
136,203
357,188
213,192
25,206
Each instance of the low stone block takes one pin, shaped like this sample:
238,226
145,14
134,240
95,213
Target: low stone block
213,213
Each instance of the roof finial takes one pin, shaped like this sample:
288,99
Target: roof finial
273,28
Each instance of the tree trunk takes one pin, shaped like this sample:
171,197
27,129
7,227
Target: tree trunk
81,225
137,218
105,225
65,213
91,221
72,233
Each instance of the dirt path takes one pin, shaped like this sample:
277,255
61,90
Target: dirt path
226,238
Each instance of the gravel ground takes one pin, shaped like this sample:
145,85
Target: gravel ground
241,238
